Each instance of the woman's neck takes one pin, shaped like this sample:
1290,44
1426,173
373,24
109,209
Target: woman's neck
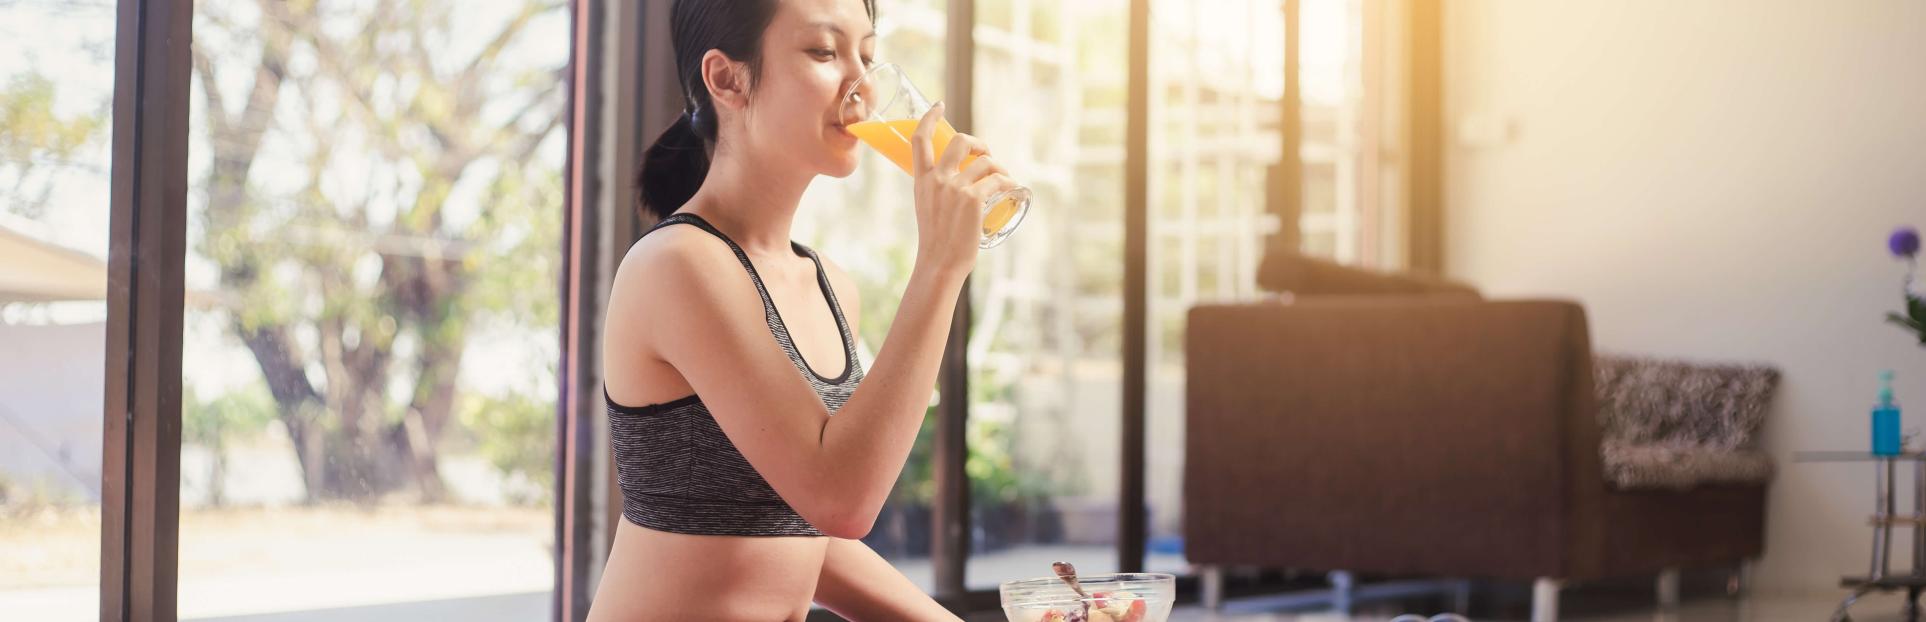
749,202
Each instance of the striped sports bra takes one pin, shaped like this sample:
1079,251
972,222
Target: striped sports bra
679,472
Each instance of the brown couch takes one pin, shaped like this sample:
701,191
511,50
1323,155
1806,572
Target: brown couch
1414,433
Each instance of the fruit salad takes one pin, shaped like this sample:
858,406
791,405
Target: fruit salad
1073,597
1103,607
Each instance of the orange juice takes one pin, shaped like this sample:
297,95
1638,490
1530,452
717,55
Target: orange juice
892,139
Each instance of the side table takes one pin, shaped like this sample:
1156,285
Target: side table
1884,518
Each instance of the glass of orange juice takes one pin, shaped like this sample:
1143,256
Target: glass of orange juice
882,109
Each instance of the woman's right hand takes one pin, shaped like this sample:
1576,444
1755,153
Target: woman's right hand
949,198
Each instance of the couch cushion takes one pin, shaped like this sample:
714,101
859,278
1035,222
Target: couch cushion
1675,425
1677,467
1645,400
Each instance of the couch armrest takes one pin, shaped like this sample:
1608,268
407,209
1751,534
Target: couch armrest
1388,434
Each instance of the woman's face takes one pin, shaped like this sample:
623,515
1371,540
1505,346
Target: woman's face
811,53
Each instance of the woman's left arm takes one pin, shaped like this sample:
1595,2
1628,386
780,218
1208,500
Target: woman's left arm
861,586
856,583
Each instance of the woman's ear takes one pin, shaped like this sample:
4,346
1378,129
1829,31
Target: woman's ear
726,79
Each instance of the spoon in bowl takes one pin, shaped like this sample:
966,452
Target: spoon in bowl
1068,573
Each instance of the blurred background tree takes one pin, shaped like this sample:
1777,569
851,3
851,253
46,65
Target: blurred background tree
359,286
214,423
36,139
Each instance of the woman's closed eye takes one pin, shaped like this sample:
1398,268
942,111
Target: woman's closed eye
826,54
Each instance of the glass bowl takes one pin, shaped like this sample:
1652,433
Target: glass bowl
1144,598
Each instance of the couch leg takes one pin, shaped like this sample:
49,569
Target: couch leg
1668,588
1741,579
1213,587
1343,594
1544,599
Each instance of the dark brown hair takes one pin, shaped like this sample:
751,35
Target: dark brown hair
673,168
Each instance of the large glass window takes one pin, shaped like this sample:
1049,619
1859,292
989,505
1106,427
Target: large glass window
1341,171
1046,341
866,224
56,97
1216,88
1217,83
371,334
373,262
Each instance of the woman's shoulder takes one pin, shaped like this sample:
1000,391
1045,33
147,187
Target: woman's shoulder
675,248
673,261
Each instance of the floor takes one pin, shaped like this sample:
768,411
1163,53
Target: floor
1757,608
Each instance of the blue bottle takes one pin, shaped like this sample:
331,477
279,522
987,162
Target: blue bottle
1885,419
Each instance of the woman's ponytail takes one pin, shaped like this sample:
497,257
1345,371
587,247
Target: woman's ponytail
673,168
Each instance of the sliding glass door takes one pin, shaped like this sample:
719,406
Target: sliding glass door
56,117
369,361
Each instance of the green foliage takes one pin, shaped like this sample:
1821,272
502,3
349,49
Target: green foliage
916,485
1915,318
212,422
21,497
995,477
516,434
377,204
36,137
520,228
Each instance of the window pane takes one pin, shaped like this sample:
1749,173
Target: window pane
56,96
1046,342
878,255
371,331
1217,72
1333,153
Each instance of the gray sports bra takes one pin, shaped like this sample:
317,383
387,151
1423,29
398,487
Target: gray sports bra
680,473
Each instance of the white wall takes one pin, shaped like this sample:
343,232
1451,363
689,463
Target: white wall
1713,179
51,380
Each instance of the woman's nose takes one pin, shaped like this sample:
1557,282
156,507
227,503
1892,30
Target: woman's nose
854,101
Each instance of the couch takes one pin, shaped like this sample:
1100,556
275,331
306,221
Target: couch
1400,425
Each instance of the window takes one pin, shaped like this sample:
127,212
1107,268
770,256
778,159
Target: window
56,95
1350,148
1046,340
375,214
370,340
1216,76
1217,83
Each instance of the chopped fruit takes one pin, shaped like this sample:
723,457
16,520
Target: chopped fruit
1052,616
1097,599
1097,615
1136,613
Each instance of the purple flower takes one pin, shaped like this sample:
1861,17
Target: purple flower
1905,242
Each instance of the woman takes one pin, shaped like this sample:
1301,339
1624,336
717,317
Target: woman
765,452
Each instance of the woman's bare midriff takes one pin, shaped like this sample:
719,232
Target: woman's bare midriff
657,575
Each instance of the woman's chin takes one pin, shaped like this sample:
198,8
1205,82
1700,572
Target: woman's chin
844,166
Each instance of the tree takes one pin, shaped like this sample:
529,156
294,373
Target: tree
212,423
36,140
357,303
517,435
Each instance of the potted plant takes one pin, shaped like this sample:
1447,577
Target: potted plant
1904,244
